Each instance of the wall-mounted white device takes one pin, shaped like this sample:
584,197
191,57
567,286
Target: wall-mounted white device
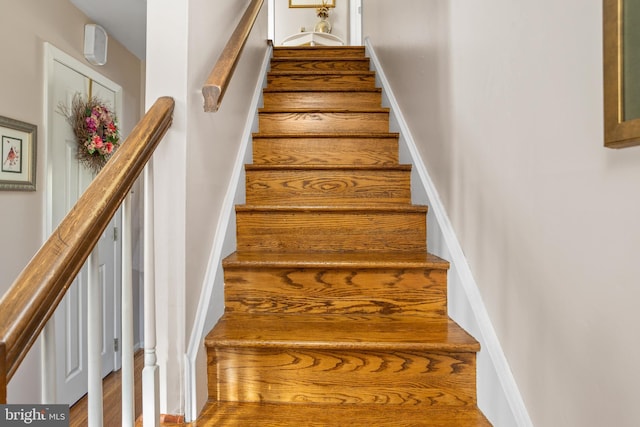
95,44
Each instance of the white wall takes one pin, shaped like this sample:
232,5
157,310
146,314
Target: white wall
24,28
289,21
193,164
505,100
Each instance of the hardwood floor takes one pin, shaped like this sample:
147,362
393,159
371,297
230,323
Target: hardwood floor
112,398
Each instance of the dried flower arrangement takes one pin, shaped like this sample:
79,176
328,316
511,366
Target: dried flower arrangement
322,12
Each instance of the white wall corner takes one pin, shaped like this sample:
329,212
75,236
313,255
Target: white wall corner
211,304
498,394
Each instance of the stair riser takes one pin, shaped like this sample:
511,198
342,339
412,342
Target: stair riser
338,100
331,231
322,52
319,151
416,292
328,64
342,376
326,187
295,123
321,82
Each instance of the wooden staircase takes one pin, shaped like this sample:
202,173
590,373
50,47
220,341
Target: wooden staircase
336,315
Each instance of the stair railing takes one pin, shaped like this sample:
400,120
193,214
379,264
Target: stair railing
216,85
34,296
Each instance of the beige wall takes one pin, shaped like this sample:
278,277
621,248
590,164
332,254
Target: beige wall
24,27
505,101
217,139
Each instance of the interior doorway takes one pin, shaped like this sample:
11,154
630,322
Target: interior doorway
285,21
65,351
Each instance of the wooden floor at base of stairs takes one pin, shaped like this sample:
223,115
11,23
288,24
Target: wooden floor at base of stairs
231,414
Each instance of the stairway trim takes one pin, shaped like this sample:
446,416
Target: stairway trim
210,308
465,300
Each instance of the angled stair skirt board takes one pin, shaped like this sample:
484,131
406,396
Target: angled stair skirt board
498,394
211,302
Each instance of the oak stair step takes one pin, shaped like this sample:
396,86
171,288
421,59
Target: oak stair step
351,332
235,414
361,260
294,121
346,359
326,148
312,73
319,51
320,64
324,80
358,283
327,184
372,228
341,90
288,99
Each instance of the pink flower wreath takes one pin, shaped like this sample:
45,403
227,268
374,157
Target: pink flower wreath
96,130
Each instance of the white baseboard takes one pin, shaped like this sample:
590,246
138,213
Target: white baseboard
498,394
210,308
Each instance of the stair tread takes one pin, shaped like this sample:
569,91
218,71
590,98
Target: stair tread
327,89
352,48
233,414
358,48
400,208
320,167
362,332
335,260
316,58
391,135
321,73
272,110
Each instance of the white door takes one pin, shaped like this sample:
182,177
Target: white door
69,179
355,22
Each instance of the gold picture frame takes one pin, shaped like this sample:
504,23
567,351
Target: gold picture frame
311,3
618,132
18,150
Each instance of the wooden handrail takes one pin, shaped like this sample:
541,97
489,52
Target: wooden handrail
35,294
220,76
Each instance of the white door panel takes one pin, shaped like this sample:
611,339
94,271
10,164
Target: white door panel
69,180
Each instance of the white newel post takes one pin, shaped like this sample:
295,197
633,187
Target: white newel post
128,398
48,362
94,341
150,373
